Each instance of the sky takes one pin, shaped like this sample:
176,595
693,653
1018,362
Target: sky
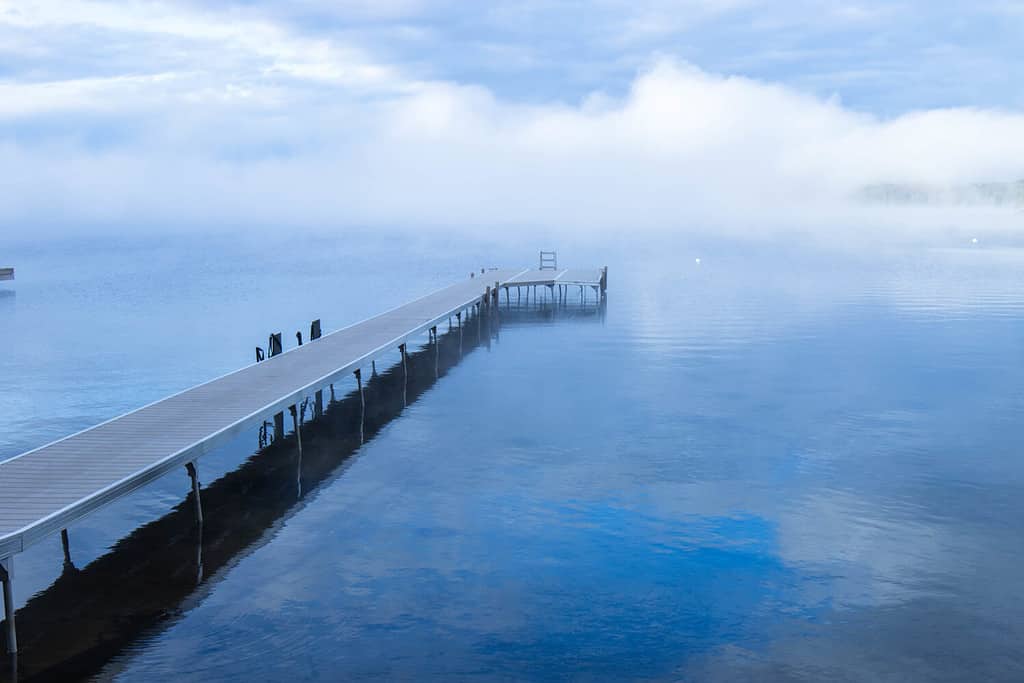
664,115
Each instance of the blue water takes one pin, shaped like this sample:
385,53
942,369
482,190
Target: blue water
780,463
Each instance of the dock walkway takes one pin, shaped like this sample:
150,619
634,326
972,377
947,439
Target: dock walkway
46,489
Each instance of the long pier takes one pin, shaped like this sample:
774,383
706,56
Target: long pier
45,490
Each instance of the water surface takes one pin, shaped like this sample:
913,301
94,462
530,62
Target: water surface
778,463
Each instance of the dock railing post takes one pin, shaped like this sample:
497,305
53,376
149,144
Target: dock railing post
7,577
274,346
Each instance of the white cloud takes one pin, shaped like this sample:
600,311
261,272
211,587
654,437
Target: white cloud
257,123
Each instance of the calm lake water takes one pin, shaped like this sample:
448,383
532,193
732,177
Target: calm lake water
776,464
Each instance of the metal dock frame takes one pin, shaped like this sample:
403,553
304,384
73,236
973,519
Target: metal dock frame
46,489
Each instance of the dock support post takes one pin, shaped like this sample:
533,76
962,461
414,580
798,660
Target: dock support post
7,577
359,383
65,543
437,353
190,467
296,426
405,376
298,441
373,368
278,426
459,317
362,404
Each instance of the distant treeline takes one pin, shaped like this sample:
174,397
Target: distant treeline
976,194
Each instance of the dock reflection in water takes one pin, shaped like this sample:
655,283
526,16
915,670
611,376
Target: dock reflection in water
91,614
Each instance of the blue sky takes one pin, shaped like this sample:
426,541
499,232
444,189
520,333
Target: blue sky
445,112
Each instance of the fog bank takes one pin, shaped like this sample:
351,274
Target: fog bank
683,151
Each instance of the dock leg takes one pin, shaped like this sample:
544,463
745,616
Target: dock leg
459,316
66,545
332,394
437,354
405,376
318,404
373,368
359,383
190,467
7,577
362,404
298,442
278,426
194,476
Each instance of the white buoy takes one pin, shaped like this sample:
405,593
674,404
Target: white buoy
974,240
697,260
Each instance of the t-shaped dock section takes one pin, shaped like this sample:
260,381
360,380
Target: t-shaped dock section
46,489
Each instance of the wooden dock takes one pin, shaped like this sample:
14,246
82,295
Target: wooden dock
45,490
